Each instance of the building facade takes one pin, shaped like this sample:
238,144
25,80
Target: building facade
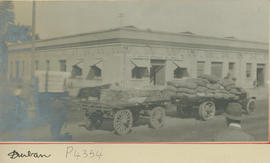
135,58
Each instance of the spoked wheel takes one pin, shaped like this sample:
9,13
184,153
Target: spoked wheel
207,110
157,117
250,108
122,122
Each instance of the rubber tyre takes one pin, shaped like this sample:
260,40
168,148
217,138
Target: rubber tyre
250,107
207,110
157,117
123,122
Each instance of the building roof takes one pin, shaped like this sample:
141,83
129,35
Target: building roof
131,34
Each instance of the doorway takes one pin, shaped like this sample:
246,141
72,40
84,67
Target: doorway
260,74
157,72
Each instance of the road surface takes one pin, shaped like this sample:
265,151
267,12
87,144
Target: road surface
176,129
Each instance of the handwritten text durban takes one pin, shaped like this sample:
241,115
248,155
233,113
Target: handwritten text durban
14,154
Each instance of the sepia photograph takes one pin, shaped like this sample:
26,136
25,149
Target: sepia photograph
178,71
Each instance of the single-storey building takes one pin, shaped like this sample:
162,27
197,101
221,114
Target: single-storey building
134,58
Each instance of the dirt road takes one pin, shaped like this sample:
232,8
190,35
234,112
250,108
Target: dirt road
176,129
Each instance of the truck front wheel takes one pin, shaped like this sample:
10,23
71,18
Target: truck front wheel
207,110
250,108
157,117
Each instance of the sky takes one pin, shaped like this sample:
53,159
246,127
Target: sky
242,19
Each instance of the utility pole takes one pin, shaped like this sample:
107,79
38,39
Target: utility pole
121,16
33,41
32,112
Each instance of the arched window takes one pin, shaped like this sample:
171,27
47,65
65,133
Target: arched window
180,72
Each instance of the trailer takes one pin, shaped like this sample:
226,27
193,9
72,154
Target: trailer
125,114
205,95
205,107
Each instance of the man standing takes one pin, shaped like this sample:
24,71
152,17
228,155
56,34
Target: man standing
233,132
60,106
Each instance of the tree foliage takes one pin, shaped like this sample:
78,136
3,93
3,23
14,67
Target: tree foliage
9,31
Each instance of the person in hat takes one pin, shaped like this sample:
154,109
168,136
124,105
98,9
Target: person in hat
233,132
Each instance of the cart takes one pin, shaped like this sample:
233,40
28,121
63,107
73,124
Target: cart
124,114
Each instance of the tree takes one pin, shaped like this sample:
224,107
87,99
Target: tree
10,32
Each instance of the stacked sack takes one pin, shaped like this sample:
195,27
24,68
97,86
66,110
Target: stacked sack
130,97
205,86
182,88
230,87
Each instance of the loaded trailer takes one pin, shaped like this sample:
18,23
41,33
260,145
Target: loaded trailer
205,95
124,107
124,116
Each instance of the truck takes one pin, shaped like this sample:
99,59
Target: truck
205,95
